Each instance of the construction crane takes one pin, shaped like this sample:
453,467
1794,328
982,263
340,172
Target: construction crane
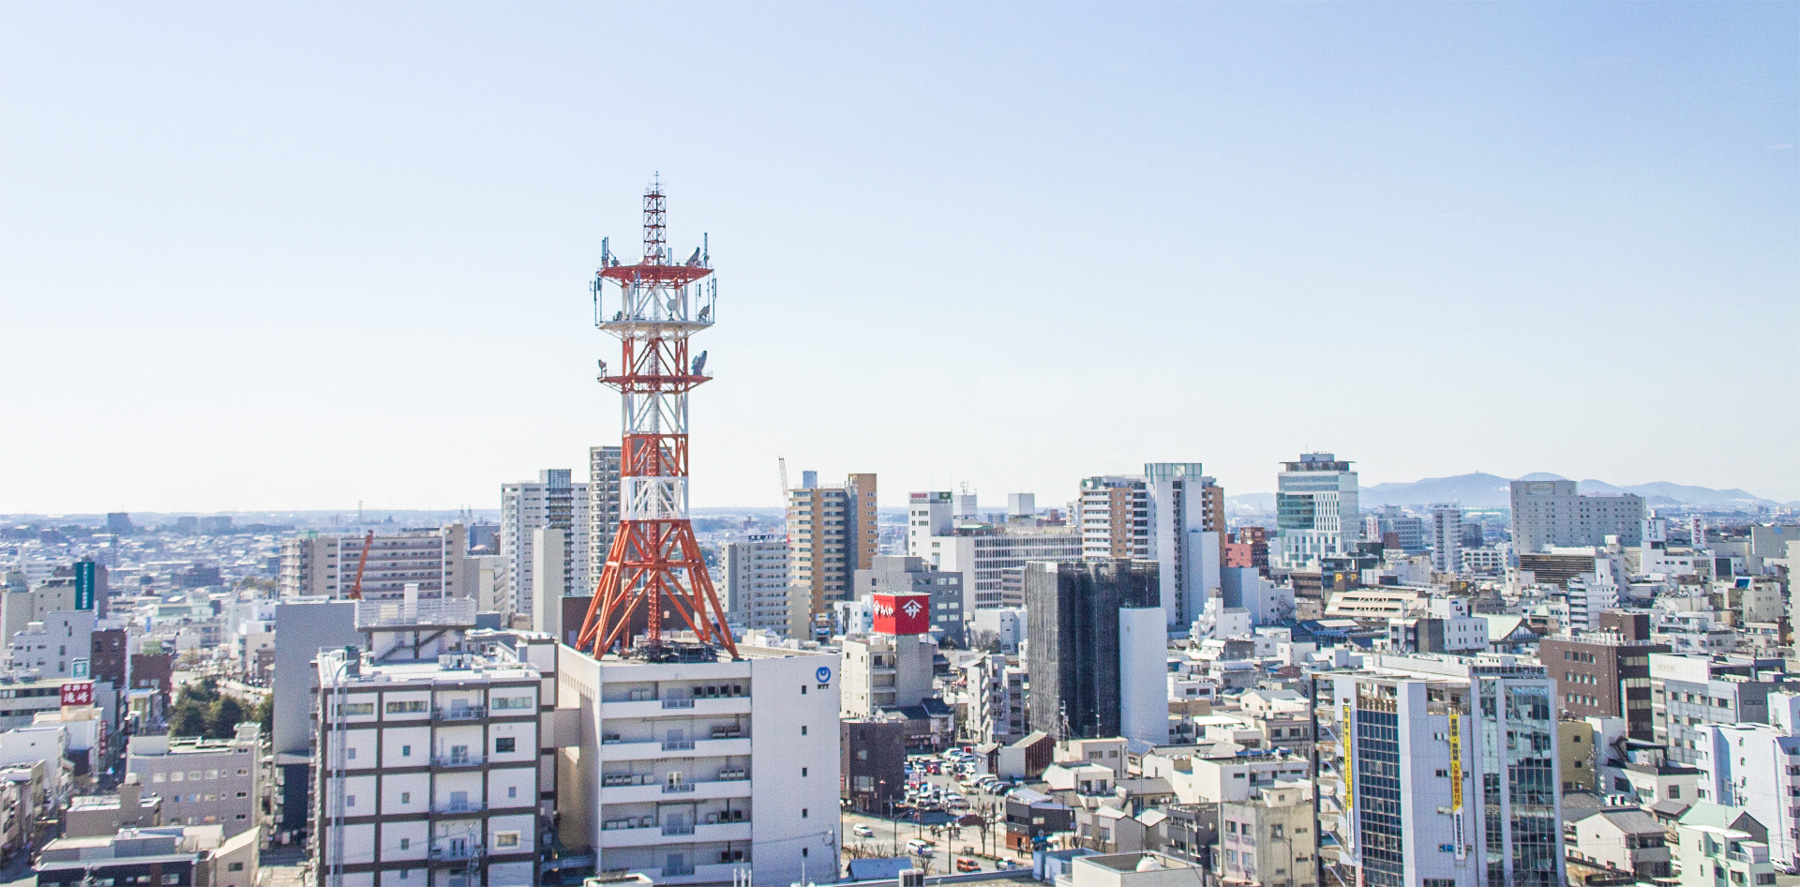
362,563
782,461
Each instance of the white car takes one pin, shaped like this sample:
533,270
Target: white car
863,831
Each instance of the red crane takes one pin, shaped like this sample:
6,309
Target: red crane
361,564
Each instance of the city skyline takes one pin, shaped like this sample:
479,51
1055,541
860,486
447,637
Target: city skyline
296,257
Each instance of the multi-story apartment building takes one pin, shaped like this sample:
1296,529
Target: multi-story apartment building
53,646
1445,773
1268,839
434,772
896,574
1076,616
203,781
996,695
701,769
603,508
831,534
1396,529
1606,673
553,503
1751,767
1315,511
1553,512
1172,514
326,564
756,582
1446,538
1690,691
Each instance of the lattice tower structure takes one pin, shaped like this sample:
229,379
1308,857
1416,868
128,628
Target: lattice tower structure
654,573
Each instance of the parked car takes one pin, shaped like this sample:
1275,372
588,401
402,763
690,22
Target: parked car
863,831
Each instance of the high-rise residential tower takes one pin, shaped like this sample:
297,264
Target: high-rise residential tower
1172,514
553,502
831,535
1446,538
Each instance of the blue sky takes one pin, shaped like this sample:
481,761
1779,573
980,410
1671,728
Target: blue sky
300,255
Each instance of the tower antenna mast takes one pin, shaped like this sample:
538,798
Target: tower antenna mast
654,570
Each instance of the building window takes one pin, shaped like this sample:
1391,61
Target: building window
349,800
506,839
405,844
505,744
406,751
406,797
802,729
512,791
802,812
803,772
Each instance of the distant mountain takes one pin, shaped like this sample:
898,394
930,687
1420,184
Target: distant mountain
1480,490
1476,490
1251,502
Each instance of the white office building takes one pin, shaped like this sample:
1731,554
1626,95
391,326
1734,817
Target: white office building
1315,511
1445,773
1172,514
1554,513
432,772
700,769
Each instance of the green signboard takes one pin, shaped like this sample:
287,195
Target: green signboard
84,585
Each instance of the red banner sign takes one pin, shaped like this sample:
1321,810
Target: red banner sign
902,613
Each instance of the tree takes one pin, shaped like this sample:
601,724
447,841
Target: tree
187,718
222,720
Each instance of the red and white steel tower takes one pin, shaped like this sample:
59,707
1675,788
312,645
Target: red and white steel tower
654,571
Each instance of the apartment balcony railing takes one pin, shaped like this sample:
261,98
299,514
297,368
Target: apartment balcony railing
458,761
472,713
456,807
454,851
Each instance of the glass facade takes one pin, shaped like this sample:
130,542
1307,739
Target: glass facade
1378,798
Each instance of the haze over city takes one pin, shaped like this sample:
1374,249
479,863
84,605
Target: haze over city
301,256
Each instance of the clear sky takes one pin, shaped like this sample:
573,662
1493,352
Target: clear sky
265,256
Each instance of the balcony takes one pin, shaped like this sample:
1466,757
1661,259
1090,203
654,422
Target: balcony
683,707
472,713
615,749
455,852
456,808
658,789
458,761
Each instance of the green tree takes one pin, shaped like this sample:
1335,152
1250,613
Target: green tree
187,718
223,717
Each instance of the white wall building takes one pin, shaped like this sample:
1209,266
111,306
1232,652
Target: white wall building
756,582
326,565
1446,538
552,502
703,770
1553,512
203,781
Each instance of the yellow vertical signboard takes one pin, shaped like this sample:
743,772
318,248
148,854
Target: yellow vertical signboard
1349,764
1456,774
